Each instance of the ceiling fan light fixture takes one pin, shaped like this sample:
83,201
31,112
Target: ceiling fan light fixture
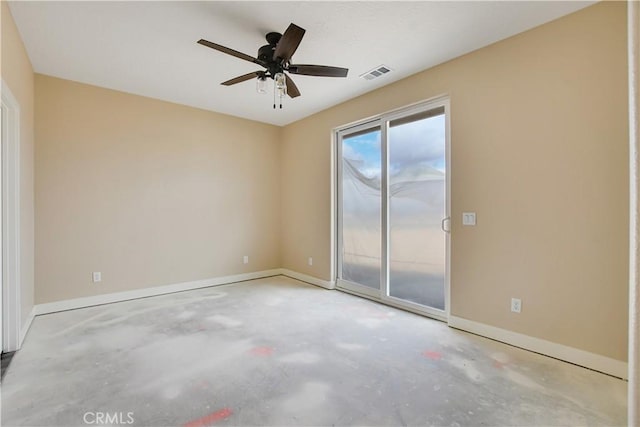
261,85
280,84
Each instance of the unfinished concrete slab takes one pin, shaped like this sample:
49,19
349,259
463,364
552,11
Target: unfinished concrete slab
280,352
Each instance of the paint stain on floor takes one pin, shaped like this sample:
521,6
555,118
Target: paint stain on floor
210,419
262,351
433,355
500,360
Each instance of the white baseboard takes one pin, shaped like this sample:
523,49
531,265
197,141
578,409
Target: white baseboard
576,356
308,279
26,326
75,303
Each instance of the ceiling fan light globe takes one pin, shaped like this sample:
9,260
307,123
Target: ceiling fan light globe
281,83
261,85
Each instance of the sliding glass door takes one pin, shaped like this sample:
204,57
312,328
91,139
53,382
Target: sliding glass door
393,208
361,209
417,208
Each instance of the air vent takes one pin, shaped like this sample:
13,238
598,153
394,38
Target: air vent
380,70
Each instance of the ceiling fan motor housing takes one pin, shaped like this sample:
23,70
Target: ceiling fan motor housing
265,53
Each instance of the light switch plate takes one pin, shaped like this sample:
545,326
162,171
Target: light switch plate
468,218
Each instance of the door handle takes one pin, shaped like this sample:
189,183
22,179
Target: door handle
446,221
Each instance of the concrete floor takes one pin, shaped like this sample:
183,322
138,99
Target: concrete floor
280,352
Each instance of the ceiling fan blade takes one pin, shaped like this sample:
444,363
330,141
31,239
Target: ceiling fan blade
229,51
242,78
292,89
318,70
288,43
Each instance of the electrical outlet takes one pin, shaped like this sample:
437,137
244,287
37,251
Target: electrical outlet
310,261
516,305
245,259
97,277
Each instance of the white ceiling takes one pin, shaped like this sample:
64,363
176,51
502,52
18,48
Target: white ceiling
149,48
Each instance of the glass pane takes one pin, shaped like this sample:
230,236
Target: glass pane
417,191
361,208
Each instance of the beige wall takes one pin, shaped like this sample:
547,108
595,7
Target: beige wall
539,150
147,192
17,73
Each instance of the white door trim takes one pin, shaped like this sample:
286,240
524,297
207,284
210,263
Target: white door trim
11,331
633,29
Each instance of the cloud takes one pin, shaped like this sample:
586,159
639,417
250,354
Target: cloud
350,153
363,152
416,151
418,143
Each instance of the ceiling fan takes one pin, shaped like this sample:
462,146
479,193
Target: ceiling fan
275,57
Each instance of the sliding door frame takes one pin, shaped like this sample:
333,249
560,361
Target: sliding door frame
339,134
382,122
